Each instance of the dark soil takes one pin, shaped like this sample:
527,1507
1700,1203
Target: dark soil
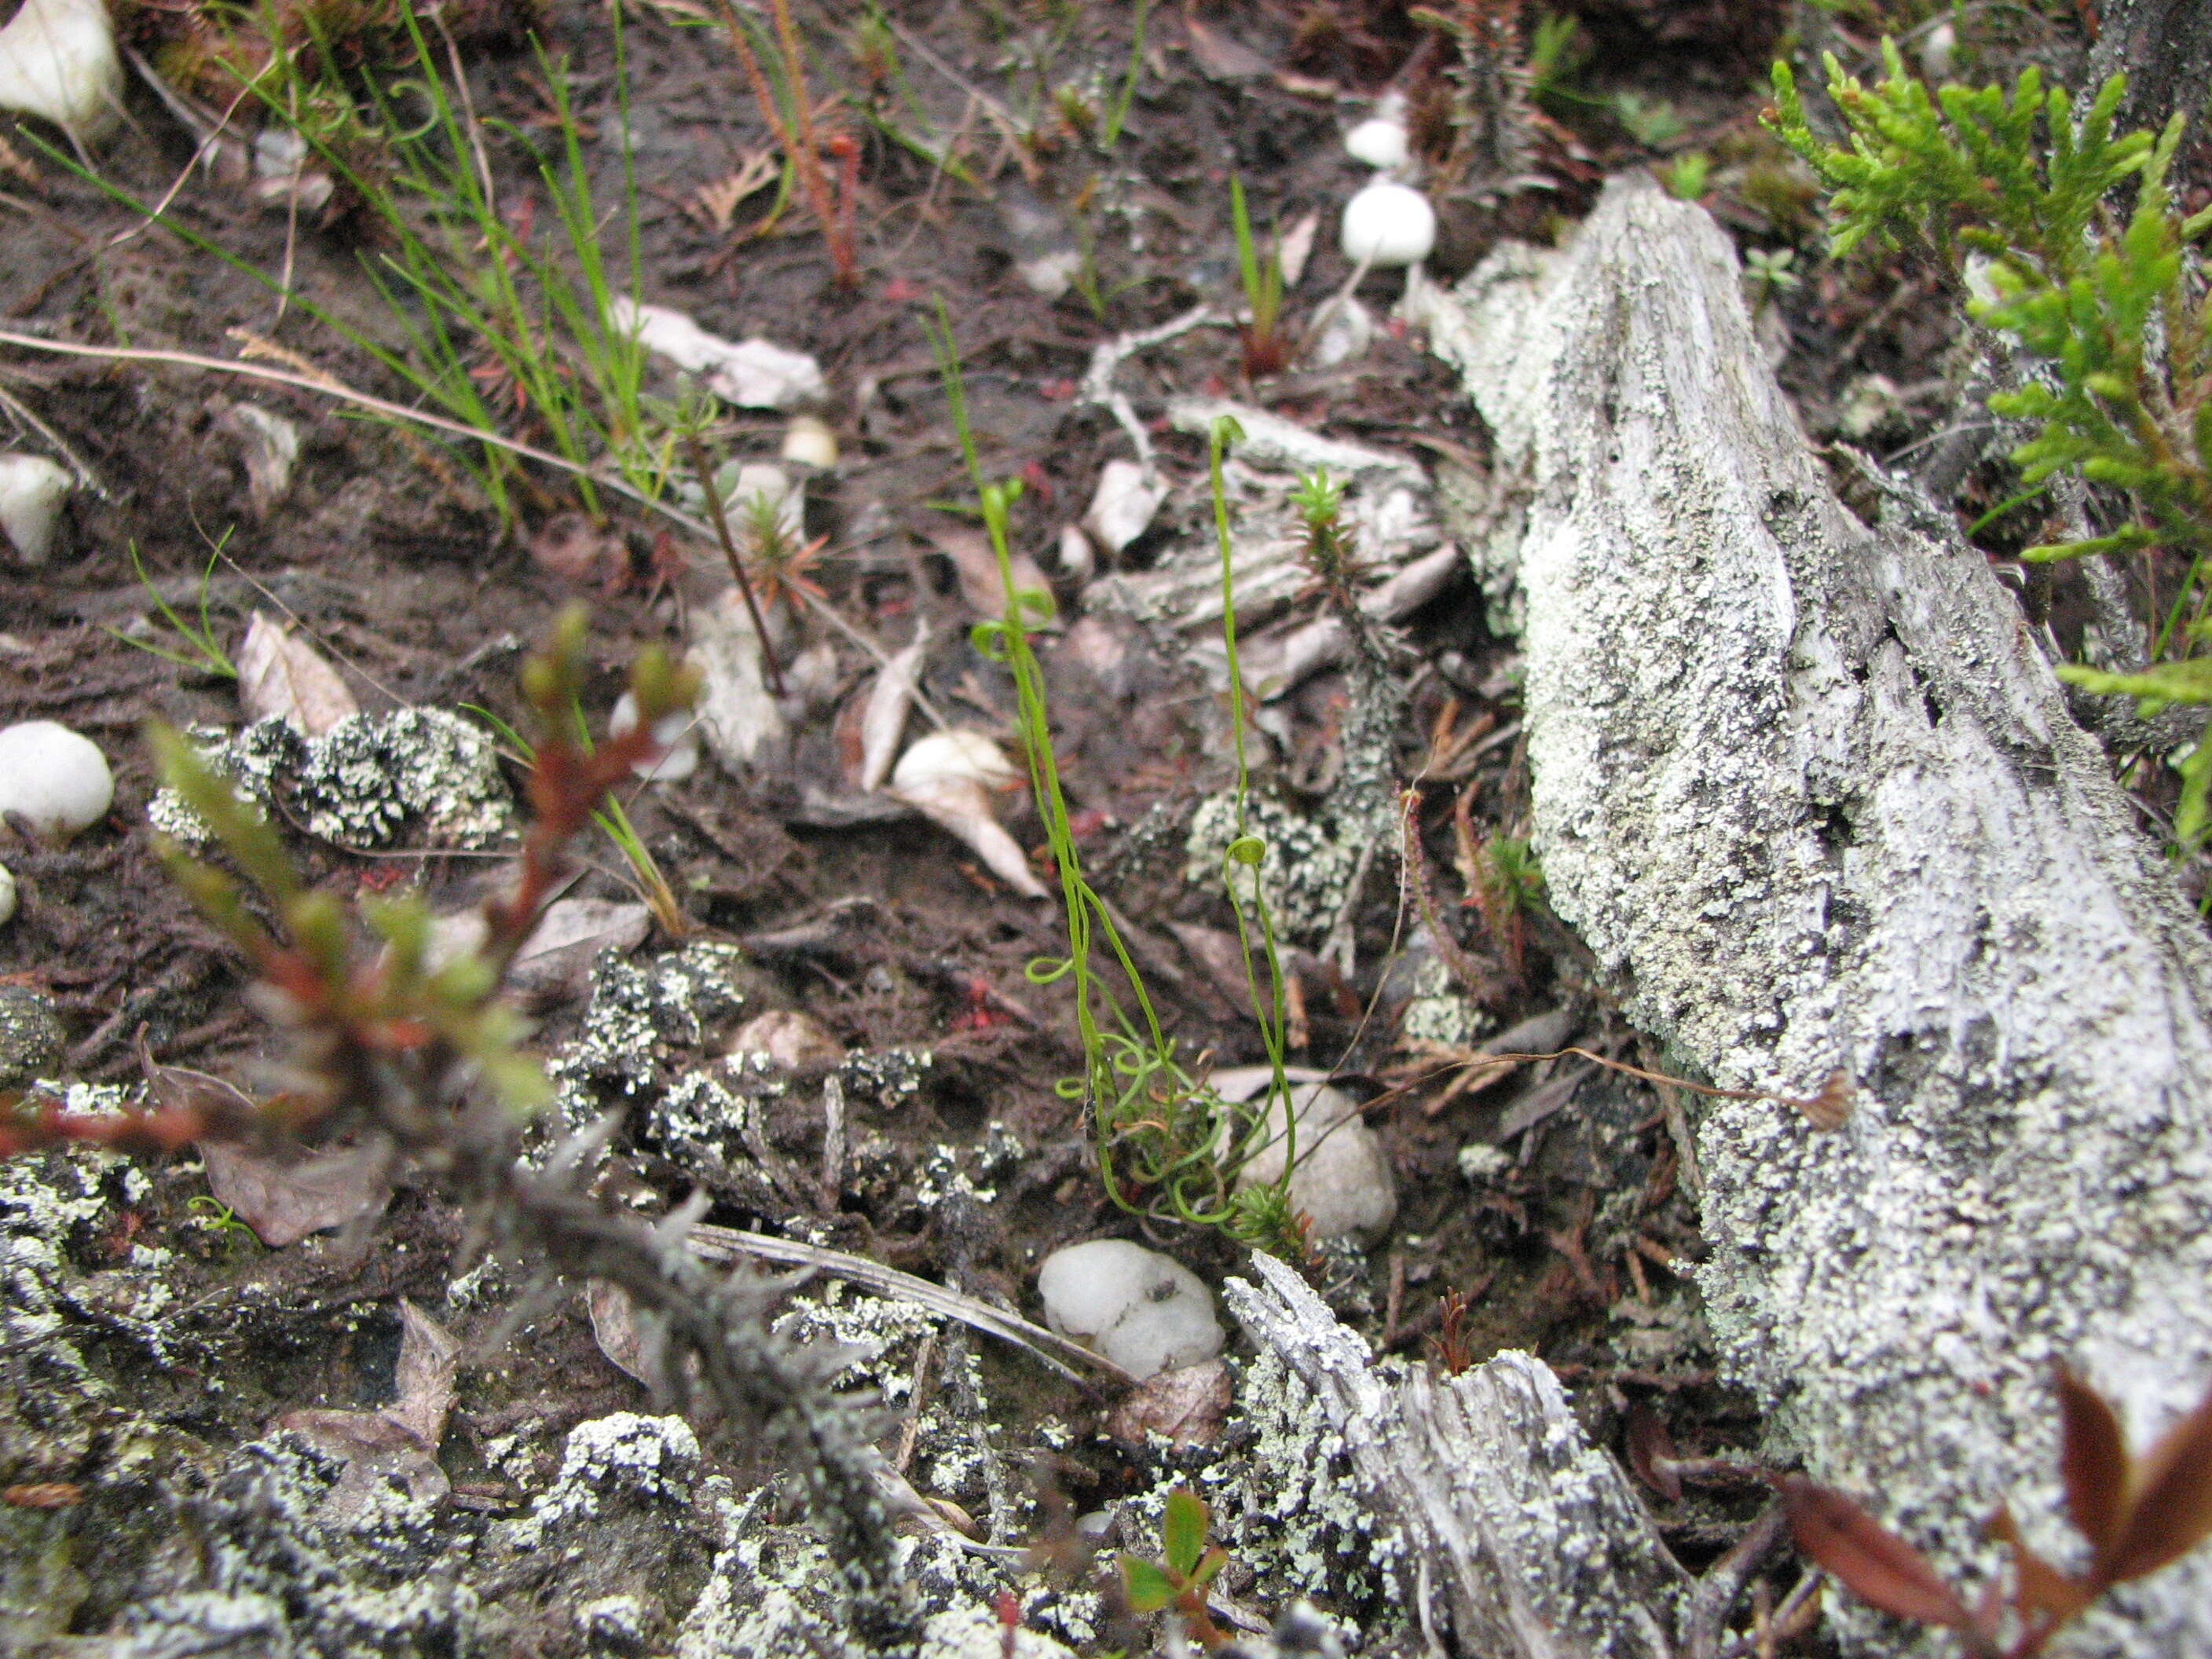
1576,1245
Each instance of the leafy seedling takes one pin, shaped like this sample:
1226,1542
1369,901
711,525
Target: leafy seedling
1687,175
1178,1580
202,651
2139,1514
1266,351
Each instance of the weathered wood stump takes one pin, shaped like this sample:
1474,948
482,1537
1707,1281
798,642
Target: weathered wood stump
1812,795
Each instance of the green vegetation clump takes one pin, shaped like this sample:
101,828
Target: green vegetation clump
2011,193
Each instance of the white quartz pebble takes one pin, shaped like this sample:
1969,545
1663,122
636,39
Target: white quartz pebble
1342,1178
31,492
1145,1311
55,779
1387,225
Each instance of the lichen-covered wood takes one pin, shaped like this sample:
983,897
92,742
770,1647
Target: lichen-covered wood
1812,795
1515,1538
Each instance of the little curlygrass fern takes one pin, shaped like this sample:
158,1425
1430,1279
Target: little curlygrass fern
2110,311
1169,1146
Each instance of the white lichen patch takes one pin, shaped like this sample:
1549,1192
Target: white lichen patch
876,1337
1288,1507
638,1014
623,1457
889,1077
1441,1013
424,775
1303,876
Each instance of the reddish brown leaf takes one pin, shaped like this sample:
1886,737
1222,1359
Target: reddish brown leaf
2173,1507
2092,1462
1868,1559
1651,1452
2042,1588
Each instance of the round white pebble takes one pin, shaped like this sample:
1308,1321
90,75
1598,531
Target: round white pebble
1145,1311
57,781
6,895
1379,141
1389,224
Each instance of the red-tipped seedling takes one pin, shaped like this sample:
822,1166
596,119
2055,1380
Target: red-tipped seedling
2138,1514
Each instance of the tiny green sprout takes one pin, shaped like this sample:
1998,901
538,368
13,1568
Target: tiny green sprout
1247,850
1652,122
1266,351
202,651
1688,174
1187,1568
1326,555
1769,273
219,1218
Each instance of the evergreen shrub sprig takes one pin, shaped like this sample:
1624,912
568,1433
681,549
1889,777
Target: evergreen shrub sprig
2010,193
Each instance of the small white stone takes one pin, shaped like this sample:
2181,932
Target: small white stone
31,492
677,733
1937,48
57,780
1387,225
6,895
808,441
1145,1311
57,61
1341,1180
1379,140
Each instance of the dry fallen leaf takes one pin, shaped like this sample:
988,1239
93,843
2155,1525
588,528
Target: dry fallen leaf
286,1195
977,566
375,1449
796,1042
882,722
556,958
286,676
1188,1405
614,1324
429,1355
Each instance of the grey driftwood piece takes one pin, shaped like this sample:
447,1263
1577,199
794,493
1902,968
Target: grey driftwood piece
1812,796
1515,1537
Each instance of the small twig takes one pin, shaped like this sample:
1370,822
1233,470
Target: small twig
1717,1592
697,454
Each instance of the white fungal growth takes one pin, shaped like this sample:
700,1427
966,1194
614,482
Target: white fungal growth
57,780
1145,1311
58,62
30,486
6,895
1387,225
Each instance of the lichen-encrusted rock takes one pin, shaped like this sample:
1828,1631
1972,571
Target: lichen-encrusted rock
1812,795
32,1036
424,774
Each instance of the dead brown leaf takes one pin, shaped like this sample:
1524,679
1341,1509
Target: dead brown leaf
282,676
429,1355
977,565
286,1194
1187,1405
614,1324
